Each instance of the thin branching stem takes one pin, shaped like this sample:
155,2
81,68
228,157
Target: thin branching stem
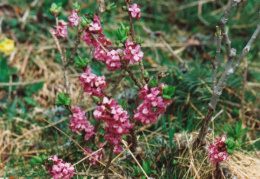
110,157
63,62
76,46
132,29
216,62
229,70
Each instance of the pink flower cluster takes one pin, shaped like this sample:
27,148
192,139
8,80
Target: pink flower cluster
92,84
74,19
100,155
61,29
80,123
135,11
218,151
132,52
60,169
153,104
109,57
117,121
95,26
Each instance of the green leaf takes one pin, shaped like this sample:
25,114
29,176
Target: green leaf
244,131
76,6
81,63
138,40
44,157
152,83
145,166
168,91
166,96
122,25
96,99
236,111
111,6
146,74
63,99
124,39
36,160
230,151
171,134
84,21
123,103
30,101
175,162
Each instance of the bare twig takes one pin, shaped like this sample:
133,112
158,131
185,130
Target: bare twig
113,90
133,77
133,39
26,59
92,175
229,69
136,160
247,47
110,157
216,62
87,157
244,73
63,60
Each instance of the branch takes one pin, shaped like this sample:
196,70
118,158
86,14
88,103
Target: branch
93,175
133,39
109,162
76,45
133,77
113,90
216,62
63,60
231,53
223,26
247,47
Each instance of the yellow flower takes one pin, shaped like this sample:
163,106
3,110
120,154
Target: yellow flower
7,46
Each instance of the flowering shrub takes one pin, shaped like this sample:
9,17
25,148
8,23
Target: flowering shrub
59,169
116,119
112,119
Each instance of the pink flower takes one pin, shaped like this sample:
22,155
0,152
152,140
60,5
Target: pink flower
153,104
117,120
95,27
135,11
218,151
60,169
74,19
133,52
61,29
80,123
100,155
87,37
113,60
92,84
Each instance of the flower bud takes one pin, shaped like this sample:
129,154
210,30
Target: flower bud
76,6
55,9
